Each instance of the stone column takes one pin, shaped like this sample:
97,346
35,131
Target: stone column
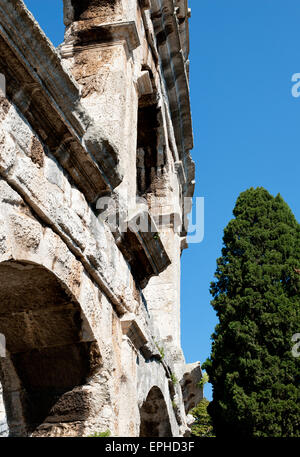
99,45
163,291
3,422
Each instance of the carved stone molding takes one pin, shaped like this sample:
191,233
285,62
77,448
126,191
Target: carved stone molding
132,329
145,84
143,249
172,43
48,98
93,35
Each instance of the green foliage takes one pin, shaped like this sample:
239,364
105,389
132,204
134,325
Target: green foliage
174,379
203,424
203,381
174,404
160,349
256,296
105,434
162,352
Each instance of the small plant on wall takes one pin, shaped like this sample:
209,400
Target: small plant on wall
105,434
160,350
203,381
174,379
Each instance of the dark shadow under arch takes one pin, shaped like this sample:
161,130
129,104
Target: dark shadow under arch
154,415
47,361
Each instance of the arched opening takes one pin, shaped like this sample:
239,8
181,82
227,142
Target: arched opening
154,416
47,362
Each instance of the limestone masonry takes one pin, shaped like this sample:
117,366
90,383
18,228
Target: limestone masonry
95,136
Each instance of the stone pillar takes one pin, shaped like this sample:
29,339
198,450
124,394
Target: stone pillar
163,291
99,45
3,422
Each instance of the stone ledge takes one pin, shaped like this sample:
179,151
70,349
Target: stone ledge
143,249
94,35
132,329
145,84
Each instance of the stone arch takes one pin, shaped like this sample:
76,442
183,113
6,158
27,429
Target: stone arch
48,362
154,415
50,316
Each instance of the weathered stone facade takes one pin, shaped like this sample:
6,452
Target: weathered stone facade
91,312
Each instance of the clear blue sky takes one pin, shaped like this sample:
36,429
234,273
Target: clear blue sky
246,125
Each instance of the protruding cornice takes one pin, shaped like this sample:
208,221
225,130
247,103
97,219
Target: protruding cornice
48,98
143,248
93,35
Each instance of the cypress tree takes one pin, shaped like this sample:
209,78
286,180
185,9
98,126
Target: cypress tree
256,296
